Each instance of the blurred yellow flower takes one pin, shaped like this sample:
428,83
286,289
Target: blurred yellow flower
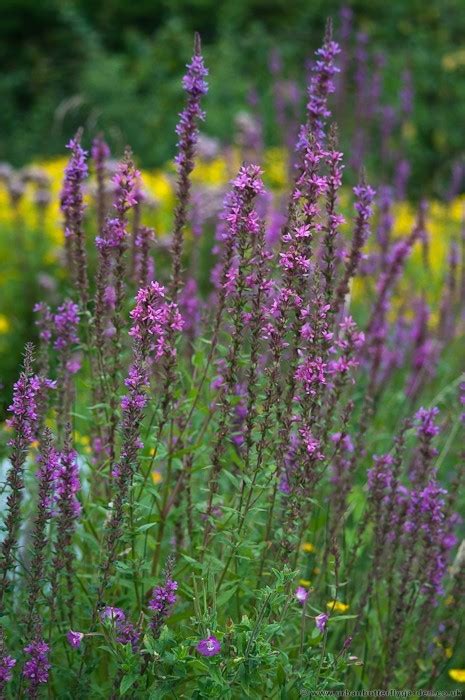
307,547
156,477
457,674
337,606
4,324
304,582
454,60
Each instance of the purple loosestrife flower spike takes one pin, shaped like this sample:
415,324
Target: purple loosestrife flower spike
46,475
322,84
72,206
67,487
44,323
65,326
65,322
162,600
23,422
100,153
127,633
7,663
210,646
363,206
112,245
392,270
333,218
37,668
155,322
187,130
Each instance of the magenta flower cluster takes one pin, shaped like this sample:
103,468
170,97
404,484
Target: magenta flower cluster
37,668
155,318
162,600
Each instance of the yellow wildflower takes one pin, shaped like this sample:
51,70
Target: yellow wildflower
156,477
304,582
457,674
337,606
307,547
448,651
4,324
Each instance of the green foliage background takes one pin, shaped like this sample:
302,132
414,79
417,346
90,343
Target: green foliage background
115,65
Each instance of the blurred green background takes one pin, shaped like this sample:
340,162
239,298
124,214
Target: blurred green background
115,66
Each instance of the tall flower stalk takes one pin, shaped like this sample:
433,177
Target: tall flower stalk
24,419
72,206
187,130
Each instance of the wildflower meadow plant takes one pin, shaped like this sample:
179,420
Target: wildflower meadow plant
230,472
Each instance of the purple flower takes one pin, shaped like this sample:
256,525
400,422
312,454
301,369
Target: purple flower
155,319
126,182
112,614
7,663
301,594
74,638
67,486
322,84
44,321
38,666
427,426
321,621
195,85
99,152
209,647
127,633
72,203
114,232
162,600
24,407
312,374
364,201
66,321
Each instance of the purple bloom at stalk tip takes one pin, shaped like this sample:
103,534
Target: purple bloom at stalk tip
38,666
209,646
162,600
426,418
126,182
301,594
24,406
72,204
74,638
364,199
195,85
321,621
322,84
156,318
7,663
100,150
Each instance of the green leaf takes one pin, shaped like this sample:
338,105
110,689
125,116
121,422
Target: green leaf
127,682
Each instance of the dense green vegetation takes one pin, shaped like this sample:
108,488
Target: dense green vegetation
114,66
